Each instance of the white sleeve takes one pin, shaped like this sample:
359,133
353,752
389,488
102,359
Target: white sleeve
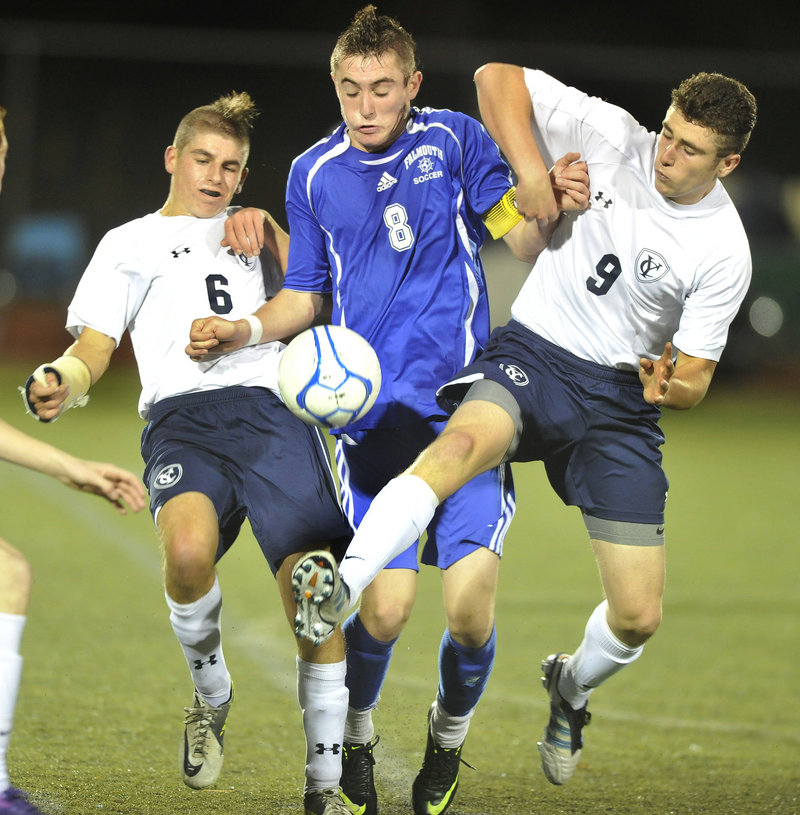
111,289
566,119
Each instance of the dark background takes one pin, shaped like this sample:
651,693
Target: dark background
94,95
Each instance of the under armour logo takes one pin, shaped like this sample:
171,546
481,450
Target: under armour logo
178,252
322,749
650,266
199,664
601,199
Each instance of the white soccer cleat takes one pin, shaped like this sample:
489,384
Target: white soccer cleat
562,741
321,596
201,751
328,802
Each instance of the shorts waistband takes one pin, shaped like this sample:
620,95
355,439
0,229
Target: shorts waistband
229,394
592,369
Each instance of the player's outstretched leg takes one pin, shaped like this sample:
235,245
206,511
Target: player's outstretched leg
15,802
321,596
562,741
326,802
201,751
436,783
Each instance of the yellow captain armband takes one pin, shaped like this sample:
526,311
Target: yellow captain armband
503,216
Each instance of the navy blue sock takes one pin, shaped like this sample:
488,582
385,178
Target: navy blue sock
367,663
463,673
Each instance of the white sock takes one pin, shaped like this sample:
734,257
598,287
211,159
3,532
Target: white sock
598,657
197,627
323,696
358,728
397,516
11,627
449,731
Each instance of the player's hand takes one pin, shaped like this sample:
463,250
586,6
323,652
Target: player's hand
569,179
655,374
535,199
120,487
244,231
46,401
214,336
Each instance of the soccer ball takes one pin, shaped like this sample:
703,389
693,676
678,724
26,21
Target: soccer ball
329,376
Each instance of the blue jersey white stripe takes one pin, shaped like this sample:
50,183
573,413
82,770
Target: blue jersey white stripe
396,238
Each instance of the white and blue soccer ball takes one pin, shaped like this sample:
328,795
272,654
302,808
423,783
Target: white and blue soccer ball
329,376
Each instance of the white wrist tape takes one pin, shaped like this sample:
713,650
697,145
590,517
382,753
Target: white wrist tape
70,371
256,329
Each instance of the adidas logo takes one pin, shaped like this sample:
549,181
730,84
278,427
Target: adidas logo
386,182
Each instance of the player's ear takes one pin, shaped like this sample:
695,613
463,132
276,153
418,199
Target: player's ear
414,81
170,157
728,164
241,180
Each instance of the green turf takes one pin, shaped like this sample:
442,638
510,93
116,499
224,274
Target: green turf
706,722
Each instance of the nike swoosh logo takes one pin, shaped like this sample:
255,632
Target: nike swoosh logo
189,769
443,804
354,808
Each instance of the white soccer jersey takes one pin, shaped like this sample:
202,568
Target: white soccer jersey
636,270
153,276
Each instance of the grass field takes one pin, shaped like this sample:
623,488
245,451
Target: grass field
708,721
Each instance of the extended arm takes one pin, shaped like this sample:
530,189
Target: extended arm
107,480
506,109
288,313
64,383
679,385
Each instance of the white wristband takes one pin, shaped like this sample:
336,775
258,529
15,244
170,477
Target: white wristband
256,329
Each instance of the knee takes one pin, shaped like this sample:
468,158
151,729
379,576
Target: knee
470,630
385,619
16,577
188,561
635,626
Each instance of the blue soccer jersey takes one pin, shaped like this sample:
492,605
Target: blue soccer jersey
395,236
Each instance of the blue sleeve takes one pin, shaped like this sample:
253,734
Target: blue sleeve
486,175
308,268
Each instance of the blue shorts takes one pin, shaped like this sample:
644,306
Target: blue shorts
479,514
243,449
599,440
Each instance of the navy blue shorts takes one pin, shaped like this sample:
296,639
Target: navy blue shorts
599,440
478,514
253,459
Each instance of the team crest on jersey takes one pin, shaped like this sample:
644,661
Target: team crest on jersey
515,374
167,476
425,158
650,266
248,263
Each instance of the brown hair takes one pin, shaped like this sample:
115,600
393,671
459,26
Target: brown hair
372,35
231,115
721,104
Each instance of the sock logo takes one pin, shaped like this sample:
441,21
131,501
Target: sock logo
199,663
322,749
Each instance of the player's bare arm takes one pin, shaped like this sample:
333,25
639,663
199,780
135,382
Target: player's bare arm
285,315
63,383
679,385
505,107
120,487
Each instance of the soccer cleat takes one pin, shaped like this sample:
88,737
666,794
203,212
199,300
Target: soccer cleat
321,597
201,752
328,802
15,802
358,780
436,783
562,741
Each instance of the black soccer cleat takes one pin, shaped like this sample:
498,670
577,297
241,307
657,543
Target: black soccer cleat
358,777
